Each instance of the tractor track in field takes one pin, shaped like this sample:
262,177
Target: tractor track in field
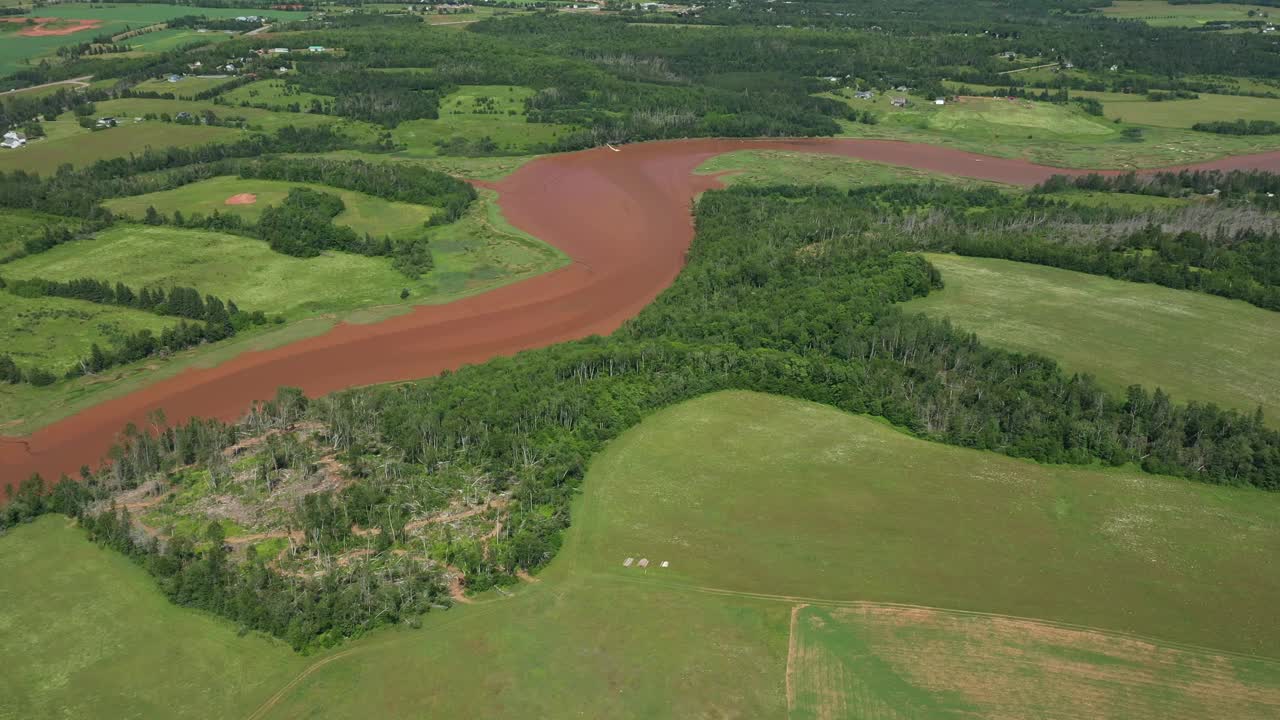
622,216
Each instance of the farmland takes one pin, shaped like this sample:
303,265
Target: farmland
1195,346
1160,13
18,51
476,112
769,167
1061,136
753,498
363,213
75,146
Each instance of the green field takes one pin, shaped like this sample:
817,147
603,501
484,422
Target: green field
1185,113
461,116
1159,13
186,87
1052,134
790,529
15,51
274,94
266,120
473,255
68,143
363,213
773,167
1195,346
86,633
53,333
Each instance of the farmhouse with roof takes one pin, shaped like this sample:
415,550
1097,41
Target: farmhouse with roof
900,102
13,140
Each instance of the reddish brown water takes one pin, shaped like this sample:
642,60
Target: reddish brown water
622,216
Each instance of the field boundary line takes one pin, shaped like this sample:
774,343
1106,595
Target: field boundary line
792,648
269,704
829,602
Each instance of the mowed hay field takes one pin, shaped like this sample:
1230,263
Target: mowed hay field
772,167
758,502
363,213
1195,346
1160,13
1048,133
1185,113
85,633
79,147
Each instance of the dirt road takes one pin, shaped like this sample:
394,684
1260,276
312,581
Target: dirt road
622,216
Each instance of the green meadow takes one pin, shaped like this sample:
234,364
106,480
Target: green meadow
473,255
70,144
1048,133
789,530
1195,346
1185,113
776,167
87,633
54,333
1159,13
273,94
267,120
185,88
363,213
474,112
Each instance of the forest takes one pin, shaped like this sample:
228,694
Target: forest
788,290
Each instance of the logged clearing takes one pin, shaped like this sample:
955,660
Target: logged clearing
1195,346
753,500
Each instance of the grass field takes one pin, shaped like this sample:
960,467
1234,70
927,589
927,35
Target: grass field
53,333
70,144
1159,13
14,51
86,633
187,87
478,253
1195,346
18,226
1185,113
363,213
787,525
266,120
464,114
1052,134
771,167
274,94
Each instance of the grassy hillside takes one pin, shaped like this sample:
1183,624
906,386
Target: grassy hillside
72,145
363,213
474,112
53,333
758,502
1195,346
86,633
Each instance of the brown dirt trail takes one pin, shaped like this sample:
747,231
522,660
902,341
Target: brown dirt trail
622,217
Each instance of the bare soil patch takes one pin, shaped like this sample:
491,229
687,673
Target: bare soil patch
47,26
241,199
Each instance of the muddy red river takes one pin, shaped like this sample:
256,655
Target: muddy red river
622,216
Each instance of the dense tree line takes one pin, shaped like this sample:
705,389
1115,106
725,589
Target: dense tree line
1239,127
1240,187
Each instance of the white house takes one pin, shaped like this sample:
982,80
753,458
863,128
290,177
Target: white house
316,48
13,139
940,101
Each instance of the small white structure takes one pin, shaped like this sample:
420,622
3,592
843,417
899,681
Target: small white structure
174,78
940,101
13,140
864,95
279,51
666,564
316,48
627,562
106,122
644,563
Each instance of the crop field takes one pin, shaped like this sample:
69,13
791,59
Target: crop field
53,333
99,639
1195,346
1159,13
79,147
363,213
1051,134
774,167
16,50
475,112
786,526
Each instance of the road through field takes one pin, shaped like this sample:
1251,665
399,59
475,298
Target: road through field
623,217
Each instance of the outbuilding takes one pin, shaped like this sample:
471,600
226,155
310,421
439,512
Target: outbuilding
13,140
